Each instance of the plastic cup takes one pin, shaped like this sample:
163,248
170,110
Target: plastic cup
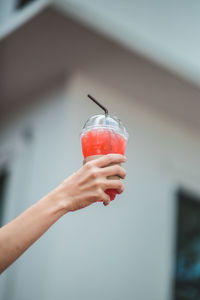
101,135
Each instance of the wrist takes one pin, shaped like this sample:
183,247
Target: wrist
60,201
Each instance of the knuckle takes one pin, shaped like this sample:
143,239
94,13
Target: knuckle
113,158
96,183
123,173
118,169
120,186
89,165
94,173
98,194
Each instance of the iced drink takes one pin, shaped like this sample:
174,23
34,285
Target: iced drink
102,135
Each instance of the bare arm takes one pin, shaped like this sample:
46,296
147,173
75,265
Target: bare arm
81,189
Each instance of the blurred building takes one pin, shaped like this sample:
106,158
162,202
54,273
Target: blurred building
141,61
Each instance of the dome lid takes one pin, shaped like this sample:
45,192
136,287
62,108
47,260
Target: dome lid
105,122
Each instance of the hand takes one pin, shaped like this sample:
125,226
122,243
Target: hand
88,184
81,189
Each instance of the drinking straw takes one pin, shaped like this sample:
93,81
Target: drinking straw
99,104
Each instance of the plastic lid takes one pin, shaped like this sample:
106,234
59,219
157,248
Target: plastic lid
105,122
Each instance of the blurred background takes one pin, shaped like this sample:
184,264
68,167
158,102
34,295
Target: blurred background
141,59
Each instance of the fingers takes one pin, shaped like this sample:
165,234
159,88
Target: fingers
113,184
106,200
108,159
96,173
113,170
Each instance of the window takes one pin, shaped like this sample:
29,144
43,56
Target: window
187,269
23,3
3,182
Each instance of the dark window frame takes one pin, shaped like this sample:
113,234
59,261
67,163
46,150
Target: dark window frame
23,3
187,264
4,174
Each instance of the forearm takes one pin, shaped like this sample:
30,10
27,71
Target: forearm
22,232
81,189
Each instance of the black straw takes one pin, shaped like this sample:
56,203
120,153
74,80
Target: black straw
99,104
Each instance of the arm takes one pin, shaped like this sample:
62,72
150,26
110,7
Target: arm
81,189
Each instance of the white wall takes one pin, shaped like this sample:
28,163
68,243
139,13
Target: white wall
164,31
124,251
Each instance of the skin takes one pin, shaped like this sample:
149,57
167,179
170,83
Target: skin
80,190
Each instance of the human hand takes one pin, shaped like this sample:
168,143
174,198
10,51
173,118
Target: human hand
88,184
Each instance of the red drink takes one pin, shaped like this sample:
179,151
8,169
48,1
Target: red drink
102,141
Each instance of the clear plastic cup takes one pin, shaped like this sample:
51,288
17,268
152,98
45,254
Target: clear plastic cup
101,135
